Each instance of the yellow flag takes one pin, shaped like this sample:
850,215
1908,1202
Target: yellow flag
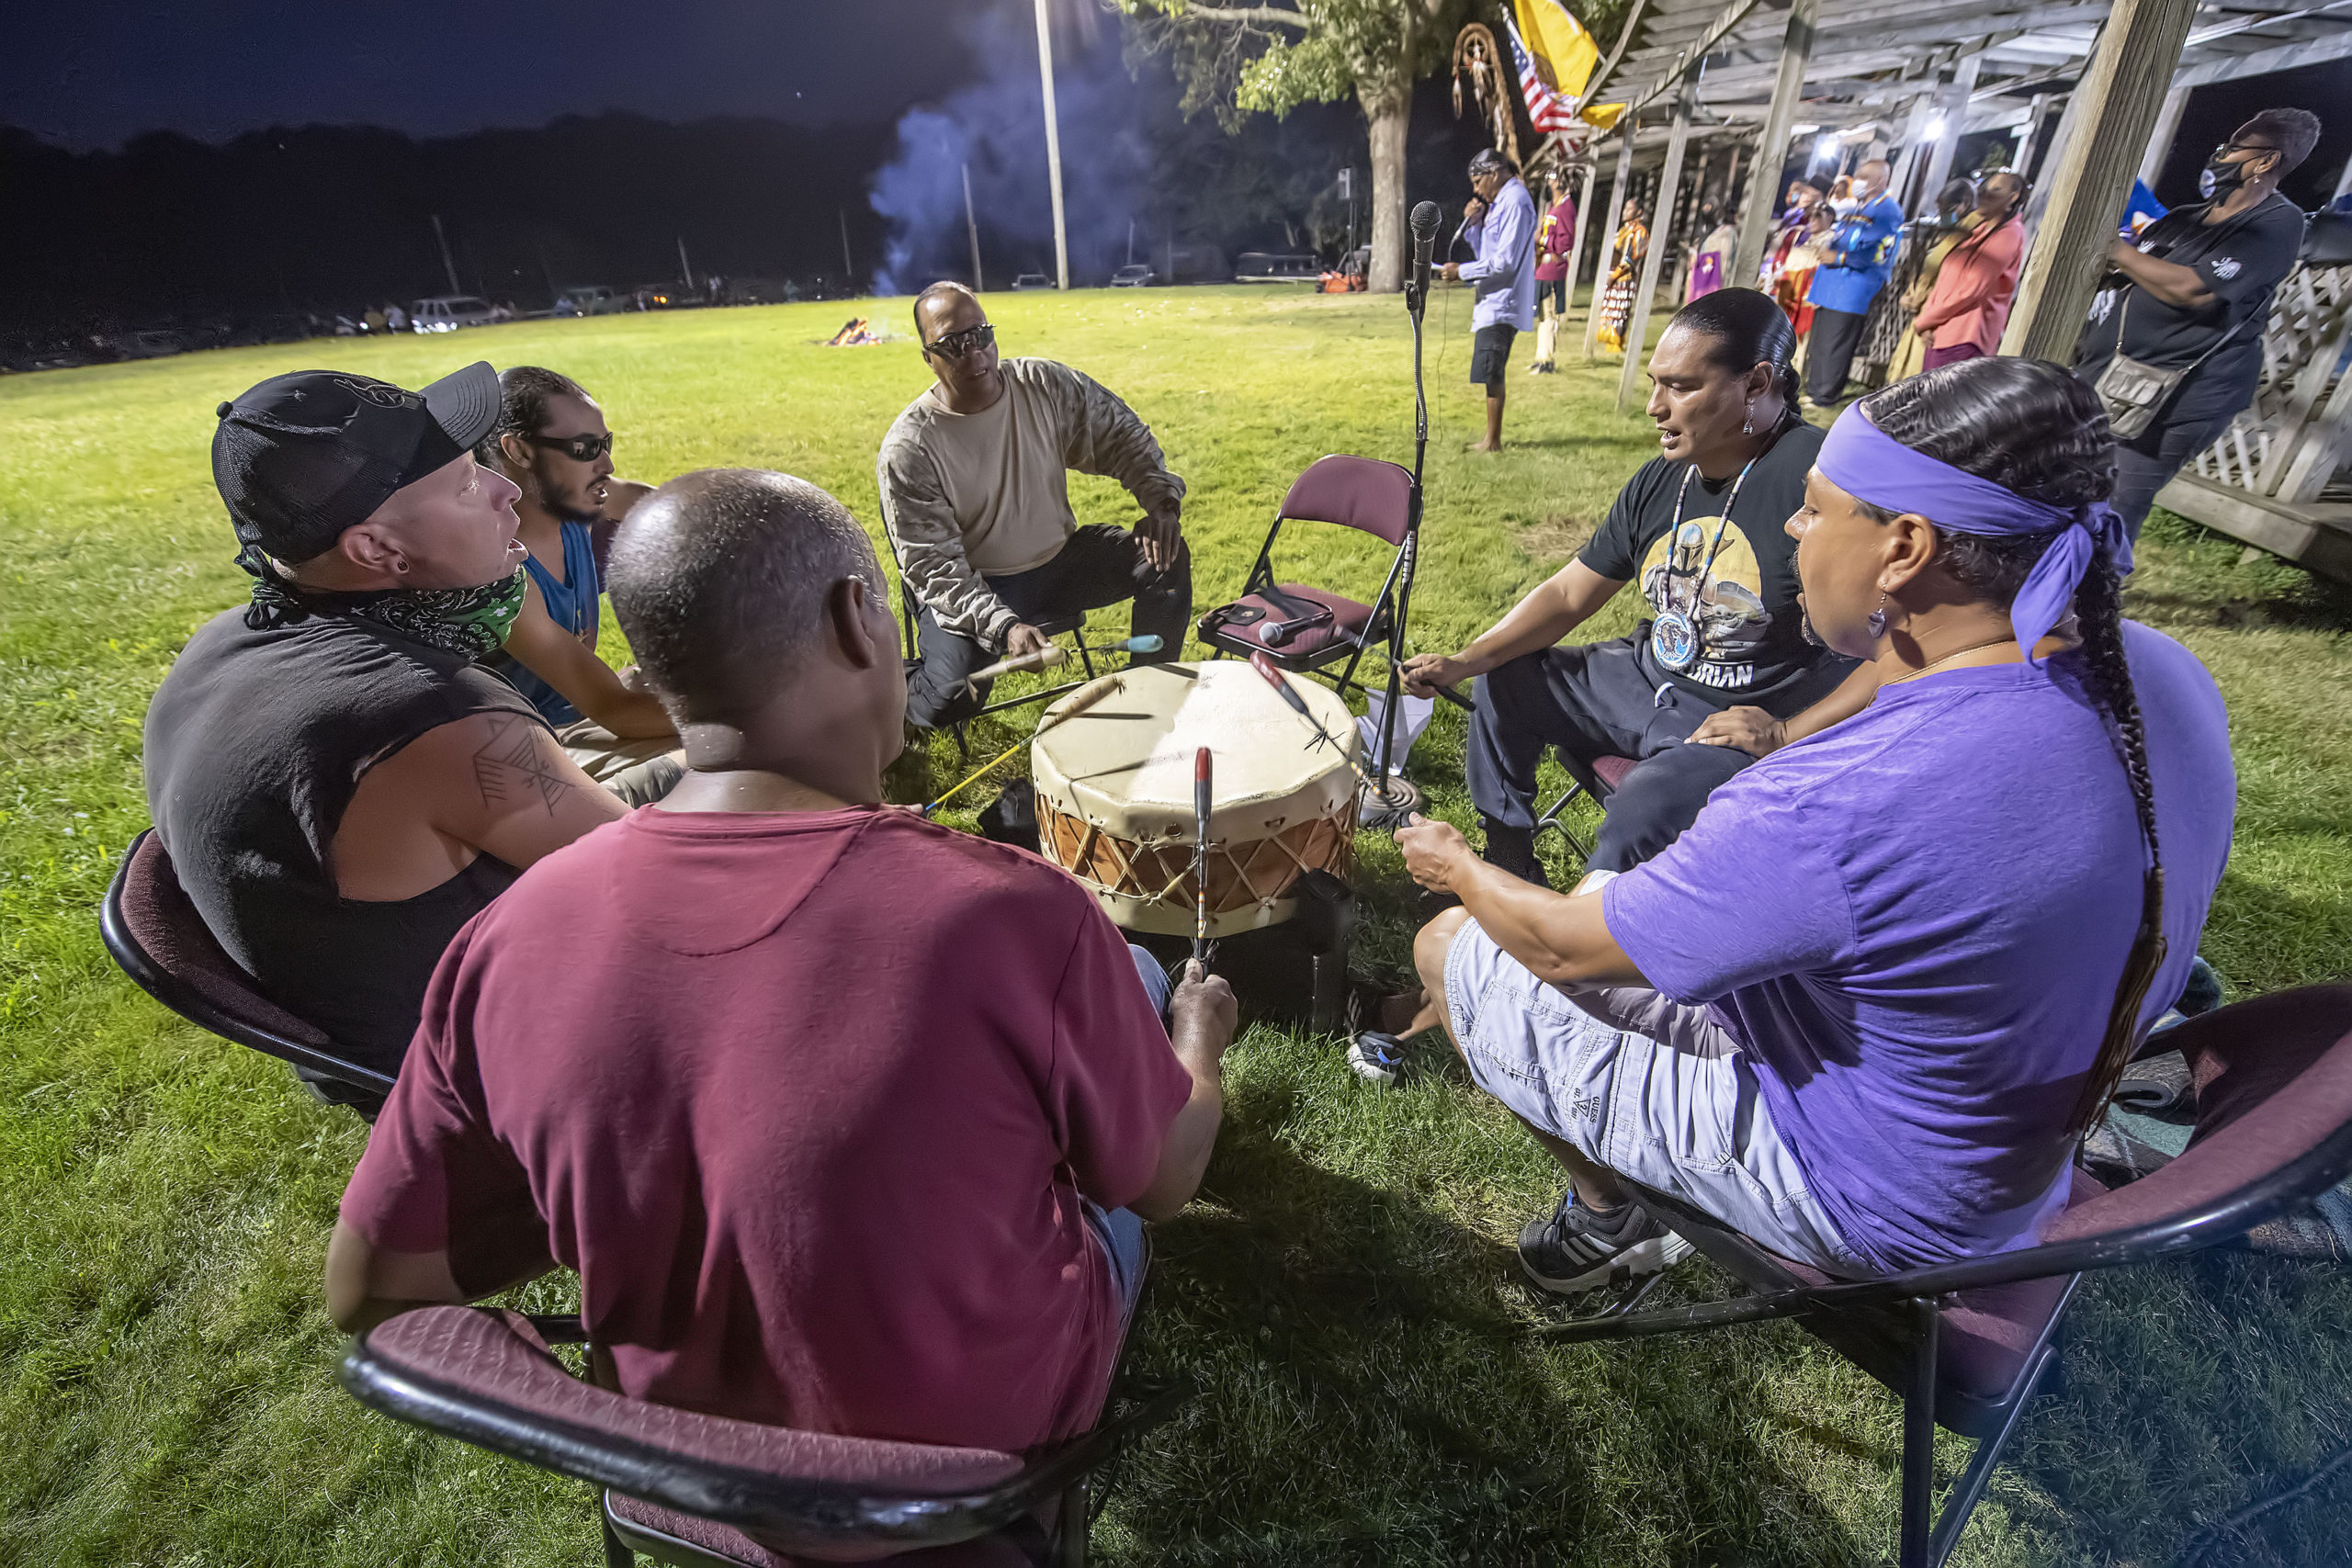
1564,53
1602,116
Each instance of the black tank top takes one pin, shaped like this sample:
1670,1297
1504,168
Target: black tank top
255,742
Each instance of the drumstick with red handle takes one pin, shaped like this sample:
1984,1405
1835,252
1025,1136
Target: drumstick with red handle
1204,794
1274,677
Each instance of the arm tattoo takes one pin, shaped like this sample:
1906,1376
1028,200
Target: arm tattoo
511,771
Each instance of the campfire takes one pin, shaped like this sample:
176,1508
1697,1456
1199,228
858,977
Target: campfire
855,332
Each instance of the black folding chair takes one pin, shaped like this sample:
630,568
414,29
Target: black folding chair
1965,1344
701,1491
153,931
1306,630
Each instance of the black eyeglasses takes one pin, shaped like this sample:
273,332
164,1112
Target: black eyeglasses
579,449
956,345
2242,147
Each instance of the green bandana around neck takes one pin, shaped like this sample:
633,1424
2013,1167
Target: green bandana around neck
470,622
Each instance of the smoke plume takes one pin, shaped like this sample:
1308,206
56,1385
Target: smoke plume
996,128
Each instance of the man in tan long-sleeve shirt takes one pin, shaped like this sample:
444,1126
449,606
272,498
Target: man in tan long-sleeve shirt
974,494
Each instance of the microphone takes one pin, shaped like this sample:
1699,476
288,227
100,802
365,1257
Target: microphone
1424,221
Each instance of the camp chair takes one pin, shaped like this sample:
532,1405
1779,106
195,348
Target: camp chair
1304,629
153,931
701,1491
1965,1344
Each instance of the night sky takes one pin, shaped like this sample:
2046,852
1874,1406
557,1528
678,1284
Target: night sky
91,72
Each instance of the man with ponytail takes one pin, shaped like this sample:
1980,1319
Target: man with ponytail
1698,529
1866,1006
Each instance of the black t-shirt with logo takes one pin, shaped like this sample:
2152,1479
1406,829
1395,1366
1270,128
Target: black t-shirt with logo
2242,261
1740,579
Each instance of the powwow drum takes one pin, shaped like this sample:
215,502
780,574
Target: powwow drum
1114,796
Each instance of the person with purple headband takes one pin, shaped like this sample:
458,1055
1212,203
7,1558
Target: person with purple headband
1864,1008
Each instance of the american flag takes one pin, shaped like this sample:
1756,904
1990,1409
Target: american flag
1546,110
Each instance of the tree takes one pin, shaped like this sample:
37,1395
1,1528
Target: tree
1268,58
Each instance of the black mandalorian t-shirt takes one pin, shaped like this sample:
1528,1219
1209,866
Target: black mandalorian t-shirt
1732,582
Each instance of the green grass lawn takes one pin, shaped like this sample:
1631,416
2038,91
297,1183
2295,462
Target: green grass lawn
1344,1294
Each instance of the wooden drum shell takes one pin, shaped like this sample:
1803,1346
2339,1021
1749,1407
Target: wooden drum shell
1282,805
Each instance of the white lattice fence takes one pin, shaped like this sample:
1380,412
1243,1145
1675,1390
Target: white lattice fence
2288,442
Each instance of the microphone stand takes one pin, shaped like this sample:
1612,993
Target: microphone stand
1417,290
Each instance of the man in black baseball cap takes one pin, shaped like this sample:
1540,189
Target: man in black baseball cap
339,783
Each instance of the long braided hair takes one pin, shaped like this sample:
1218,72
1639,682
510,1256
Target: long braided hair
2030,427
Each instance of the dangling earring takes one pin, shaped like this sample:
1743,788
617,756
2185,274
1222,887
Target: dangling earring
1747,423
1878,619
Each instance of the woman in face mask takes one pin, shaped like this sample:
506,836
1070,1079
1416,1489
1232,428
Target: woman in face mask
2174,347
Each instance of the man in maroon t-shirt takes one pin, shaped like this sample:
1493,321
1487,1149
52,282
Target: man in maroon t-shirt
843,1119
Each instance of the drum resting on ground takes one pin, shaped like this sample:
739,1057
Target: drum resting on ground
1114,797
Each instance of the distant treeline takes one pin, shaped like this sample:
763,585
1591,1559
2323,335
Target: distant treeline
328,218
334,218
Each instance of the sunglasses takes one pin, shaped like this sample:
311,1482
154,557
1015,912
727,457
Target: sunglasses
956,345
579,449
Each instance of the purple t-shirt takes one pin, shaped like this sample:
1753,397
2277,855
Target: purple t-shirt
1914,923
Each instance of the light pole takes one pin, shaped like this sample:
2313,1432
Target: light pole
1053,141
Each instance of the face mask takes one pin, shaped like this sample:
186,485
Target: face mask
470,622
2222,173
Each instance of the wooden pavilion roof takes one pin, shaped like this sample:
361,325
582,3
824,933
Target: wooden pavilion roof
1871,57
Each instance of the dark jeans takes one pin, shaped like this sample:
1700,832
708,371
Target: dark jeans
1598,701
1829,354
2146,466
1099,566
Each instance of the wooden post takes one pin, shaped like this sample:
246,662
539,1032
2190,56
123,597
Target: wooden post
1575,241
1914,134
2152,162
1621,185
1637,328
2115,106
1756,214
1953,103
2032,137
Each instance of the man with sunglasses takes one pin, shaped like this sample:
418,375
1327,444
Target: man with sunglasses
974,487
2192,293
551,441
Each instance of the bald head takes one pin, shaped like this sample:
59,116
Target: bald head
1873,178
720,580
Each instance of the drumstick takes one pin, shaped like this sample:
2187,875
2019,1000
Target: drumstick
1204,791
1053,653
1266,667
1045,658
1076,703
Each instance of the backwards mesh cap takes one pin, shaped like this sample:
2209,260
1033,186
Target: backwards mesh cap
300,458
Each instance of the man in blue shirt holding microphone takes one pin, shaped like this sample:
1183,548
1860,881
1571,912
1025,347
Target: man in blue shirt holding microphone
1500,225
1855,263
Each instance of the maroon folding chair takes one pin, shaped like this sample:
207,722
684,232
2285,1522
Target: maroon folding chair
1965,1344
1305,629
1601,781
701,1491
154,932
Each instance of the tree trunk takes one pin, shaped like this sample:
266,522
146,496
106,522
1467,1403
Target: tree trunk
1388,110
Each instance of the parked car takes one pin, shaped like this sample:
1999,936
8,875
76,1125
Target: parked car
1032,280
149,344
1134,275
447,312
586,299
1273,266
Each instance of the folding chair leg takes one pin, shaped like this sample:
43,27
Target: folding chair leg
616,1554
1970,1489
1919,1435
1075,1525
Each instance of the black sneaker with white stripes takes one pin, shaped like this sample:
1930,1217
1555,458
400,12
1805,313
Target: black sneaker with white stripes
1573,1250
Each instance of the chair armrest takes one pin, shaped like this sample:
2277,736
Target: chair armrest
1053,1468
